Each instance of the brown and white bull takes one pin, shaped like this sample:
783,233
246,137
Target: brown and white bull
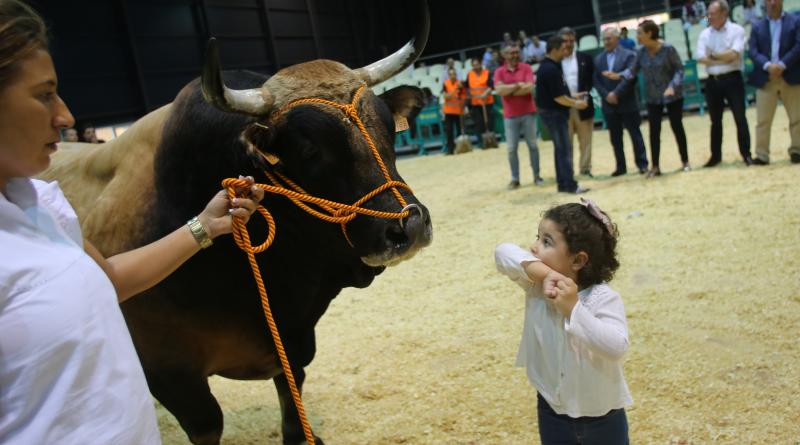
159,173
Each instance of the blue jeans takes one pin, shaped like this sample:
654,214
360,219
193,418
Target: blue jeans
524,125
557,124
559,429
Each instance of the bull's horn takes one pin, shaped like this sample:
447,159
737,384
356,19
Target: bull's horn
383,69
255,101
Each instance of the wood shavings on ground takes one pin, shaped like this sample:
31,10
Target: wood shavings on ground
710,276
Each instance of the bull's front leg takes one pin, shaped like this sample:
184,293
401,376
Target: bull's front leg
291,427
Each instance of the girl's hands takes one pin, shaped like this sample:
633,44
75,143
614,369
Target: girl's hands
566,296
217,217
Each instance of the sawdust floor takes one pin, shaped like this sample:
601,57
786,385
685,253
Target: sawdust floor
710,276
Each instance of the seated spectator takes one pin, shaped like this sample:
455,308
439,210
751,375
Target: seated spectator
88,134
487,56
624,40
526,47
694,11
494,62
70,135
751,11
508,41
539,50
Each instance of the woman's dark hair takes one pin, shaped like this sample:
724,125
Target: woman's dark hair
650,28
22,32
584,232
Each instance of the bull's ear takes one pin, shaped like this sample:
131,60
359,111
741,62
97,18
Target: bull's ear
403,101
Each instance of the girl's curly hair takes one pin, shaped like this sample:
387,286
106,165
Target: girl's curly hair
584,232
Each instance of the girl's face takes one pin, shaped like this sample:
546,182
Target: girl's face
551,248
31,118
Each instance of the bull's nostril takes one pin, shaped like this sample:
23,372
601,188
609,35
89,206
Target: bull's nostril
396,236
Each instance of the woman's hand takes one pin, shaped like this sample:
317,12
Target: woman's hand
669,92
217,217
611,75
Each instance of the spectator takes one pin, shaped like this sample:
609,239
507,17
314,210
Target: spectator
751,12
526,47
694,12
720,48
494,63
508,41
454,95
479,82
539,50
578,70
514,83
487,57
624,40
620,105
662,69
555,101
88,134
775,51
70,135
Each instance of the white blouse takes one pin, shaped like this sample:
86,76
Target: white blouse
69,373
575,364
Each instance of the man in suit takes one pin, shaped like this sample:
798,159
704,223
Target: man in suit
620,104
720,48
775,51
578,70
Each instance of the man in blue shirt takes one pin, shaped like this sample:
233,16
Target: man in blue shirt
775,51
625,41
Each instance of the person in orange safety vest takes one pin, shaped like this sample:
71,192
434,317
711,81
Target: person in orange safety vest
480,84
454,98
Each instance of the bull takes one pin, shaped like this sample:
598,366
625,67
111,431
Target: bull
140,186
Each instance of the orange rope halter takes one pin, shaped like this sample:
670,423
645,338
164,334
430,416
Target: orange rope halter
334,213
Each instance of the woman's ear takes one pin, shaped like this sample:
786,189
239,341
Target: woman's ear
579,261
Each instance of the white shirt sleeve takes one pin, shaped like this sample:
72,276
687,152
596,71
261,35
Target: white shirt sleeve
603,328
738,39
508,258
701,45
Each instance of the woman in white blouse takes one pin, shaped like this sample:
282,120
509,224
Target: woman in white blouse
69,373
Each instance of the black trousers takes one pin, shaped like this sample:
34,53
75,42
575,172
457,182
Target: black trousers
450,121
476,112
675,112
631,120
727,88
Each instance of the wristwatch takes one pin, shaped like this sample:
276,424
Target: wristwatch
199,233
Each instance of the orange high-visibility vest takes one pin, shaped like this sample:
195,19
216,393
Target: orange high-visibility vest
478,84
454,105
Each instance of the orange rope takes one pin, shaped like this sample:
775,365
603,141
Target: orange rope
334,213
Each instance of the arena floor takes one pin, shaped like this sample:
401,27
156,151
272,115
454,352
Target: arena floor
709,275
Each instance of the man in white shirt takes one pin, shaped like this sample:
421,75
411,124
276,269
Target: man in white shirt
720,48
578,70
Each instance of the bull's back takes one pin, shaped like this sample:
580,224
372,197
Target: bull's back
111,185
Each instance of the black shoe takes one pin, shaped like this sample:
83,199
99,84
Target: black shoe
513,185
759,161
711,163
795,158
642,170
587,173
618,173
748,161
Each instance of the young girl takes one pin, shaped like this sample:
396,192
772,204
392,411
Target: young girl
575,332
